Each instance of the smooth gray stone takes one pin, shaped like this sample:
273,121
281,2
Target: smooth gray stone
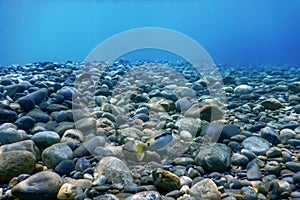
253,171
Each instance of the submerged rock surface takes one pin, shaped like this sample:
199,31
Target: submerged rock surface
76,131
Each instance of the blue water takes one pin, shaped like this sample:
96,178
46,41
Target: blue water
231,31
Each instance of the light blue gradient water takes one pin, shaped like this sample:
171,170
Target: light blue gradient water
232,31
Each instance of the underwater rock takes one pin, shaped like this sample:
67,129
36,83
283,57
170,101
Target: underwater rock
42,185
205,189
189,124
65,167
207,112
25,122
270,135
28,102
45,139
55,154
253,171
214,157
7,115
26,145
38,115
10,135
14,163
256,144
165,180
115,170
146,195
272,104
243,89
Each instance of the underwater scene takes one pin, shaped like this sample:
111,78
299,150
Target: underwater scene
149,100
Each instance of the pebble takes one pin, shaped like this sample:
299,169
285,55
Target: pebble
273,152
146,195
256,144
45,139
28,102
7,115
82,164
270,135
165,180
25,122
255,136
294,166
205,189
72,136
214,157
253,171
243,89
286,135
273,167
115,170
10,135
26,145
183,161
65,167
14,163
55,154
191,125
239,159
272,104
42,185
229,131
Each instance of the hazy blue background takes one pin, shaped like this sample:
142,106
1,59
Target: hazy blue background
232,31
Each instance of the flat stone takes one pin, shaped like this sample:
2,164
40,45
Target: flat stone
45,139
243,89
272,104
183,161
43,185
56,107
256,144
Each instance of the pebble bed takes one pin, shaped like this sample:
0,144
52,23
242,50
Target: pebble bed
70,131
